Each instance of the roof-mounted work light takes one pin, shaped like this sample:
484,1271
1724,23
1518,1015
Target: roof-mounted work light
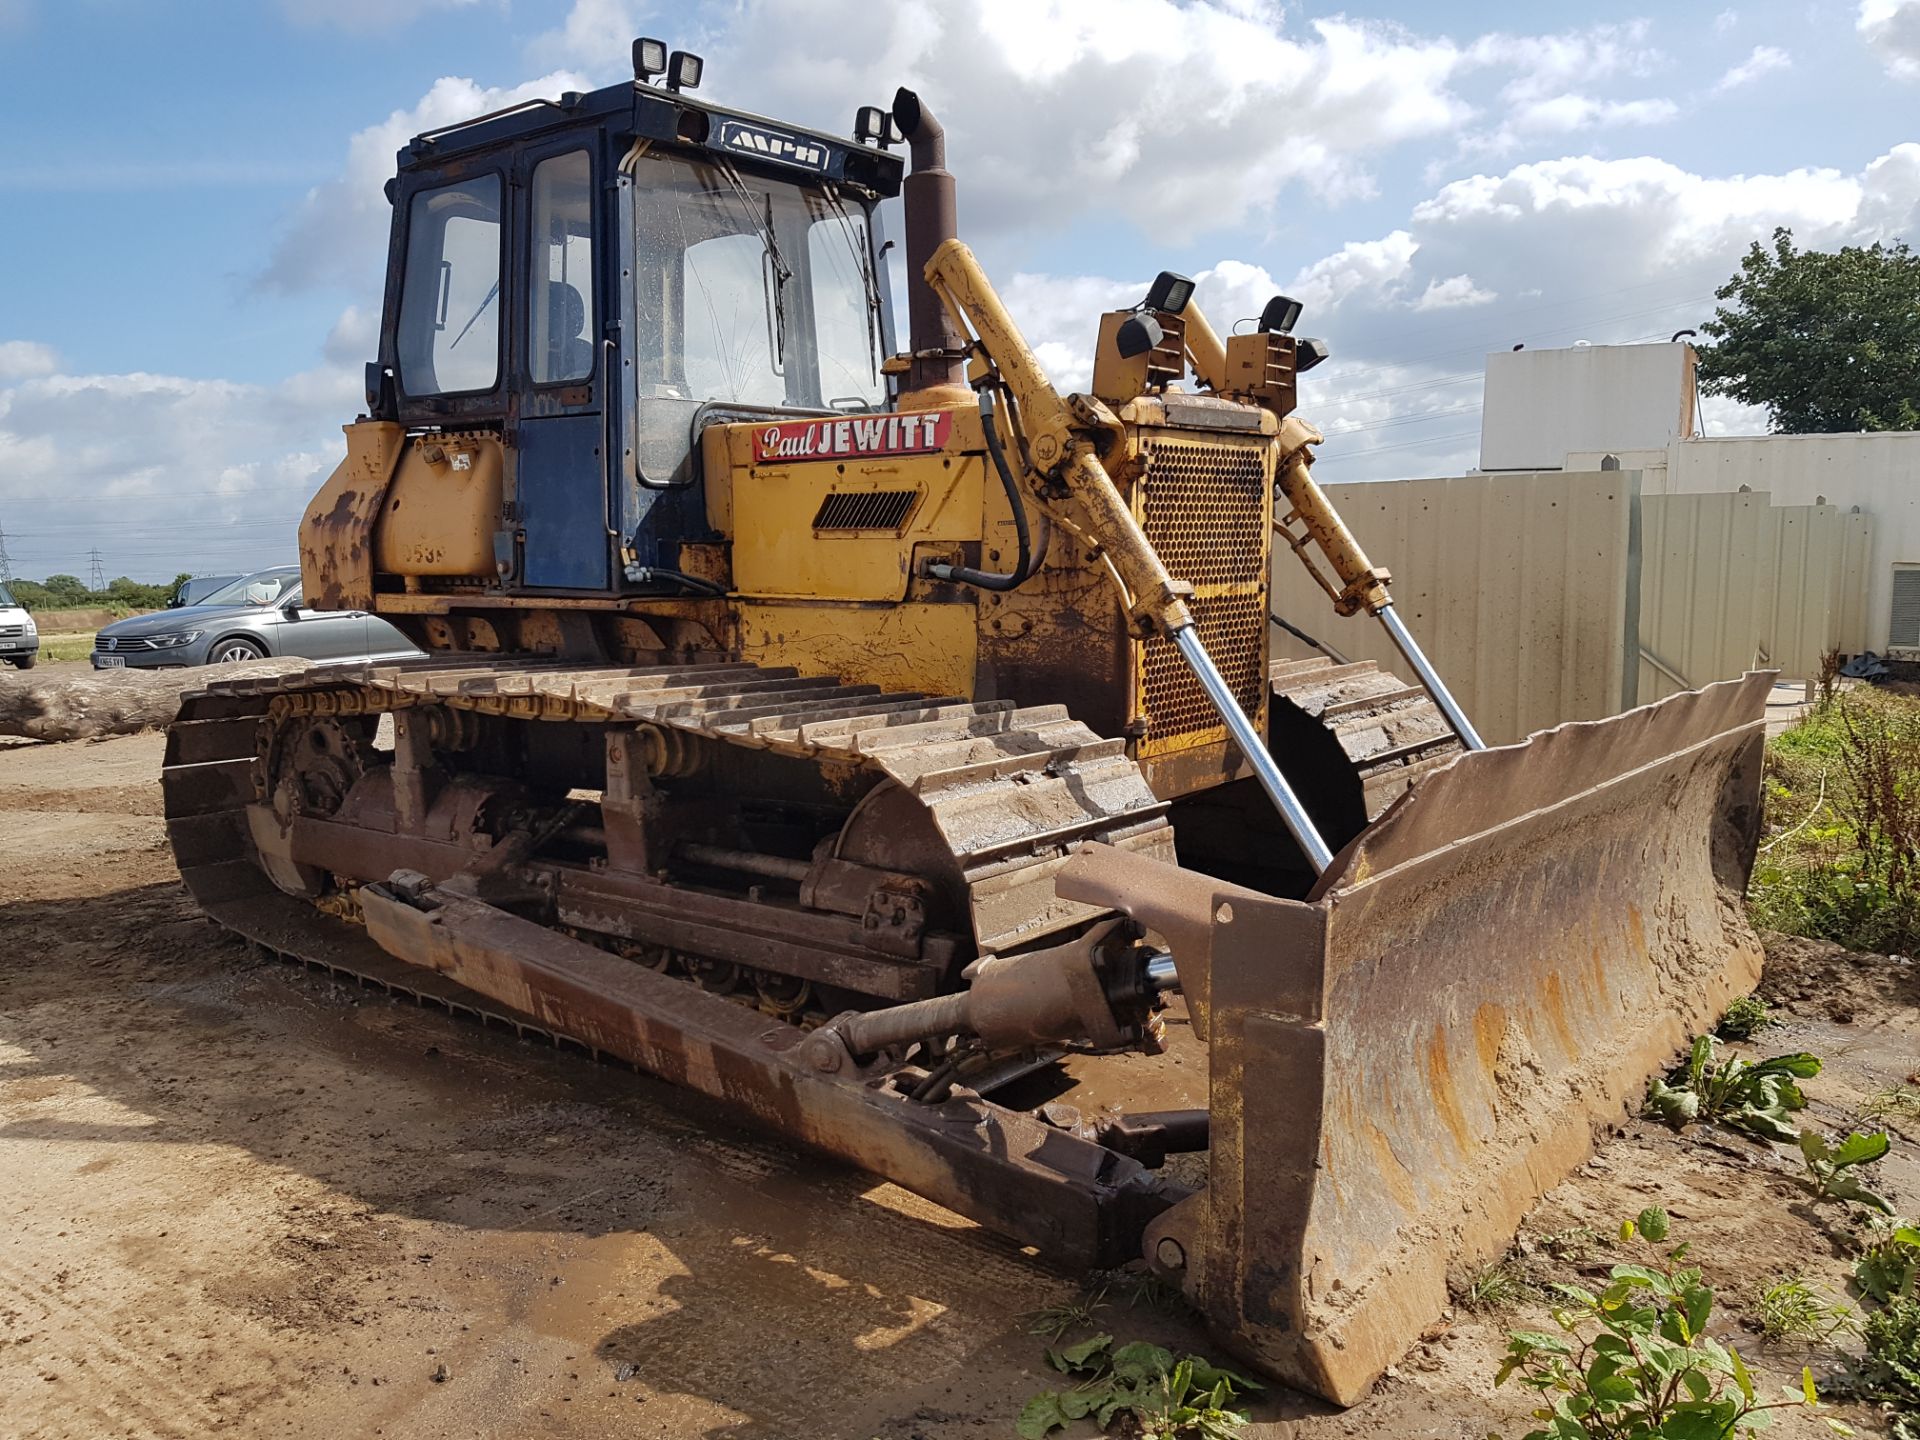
649,59
875,125
1309,353
683,71
1281,314
1169,292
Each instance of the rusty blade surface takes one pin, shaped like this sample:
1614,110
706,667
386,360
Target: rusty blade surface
1401,1066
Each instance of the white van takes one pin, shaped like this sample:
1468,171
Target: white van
19,639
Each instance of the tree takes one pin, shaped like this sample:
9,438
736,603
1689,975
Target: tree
1825,341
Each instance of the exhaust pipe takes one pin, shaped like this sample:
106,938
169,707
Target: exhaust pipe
932,217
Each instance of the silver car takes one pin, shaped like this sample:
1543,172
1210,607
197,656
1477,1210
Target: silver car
257,615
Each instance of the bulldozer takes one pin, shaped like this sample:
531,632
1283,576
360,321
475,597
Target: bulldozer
859,731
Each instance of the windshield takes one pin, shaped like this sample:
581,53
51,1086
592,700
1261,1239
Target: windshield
264,587
750,291
7,602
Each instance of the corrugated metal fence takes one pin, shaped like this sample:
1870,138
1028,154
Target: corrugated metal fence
1553,596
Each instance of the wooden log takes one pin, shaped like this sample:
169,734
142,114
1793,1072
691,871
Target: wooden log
71,704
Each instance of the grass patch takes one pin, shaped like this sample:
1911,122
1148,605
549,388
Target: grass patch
1841,857
1747,1016
1790,1309
66,647
1493,1287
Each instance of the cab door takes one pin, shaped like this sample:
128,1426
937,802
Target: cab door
560,428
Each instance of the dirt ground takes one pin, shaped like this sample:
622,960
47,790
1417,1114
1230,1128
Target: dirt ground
241,1199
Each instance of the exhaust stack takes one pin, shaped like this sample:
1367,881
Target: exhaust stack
932,217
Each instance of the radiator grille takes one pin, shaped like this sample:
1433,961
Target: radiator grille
865,509
1204,508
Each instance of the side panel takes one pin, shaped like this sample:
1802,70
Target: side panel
926,648
562,494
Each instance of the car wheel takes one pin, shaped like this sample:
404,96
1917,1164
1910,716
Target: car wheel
228,652
25,662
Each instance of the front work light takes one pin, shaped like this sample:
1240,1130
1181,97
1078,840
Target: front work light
683,71
1309,353
1169,292
649,59
1281,315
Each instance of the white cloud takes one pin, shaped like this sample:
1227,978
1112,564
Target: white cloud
1453,293
1892,29
21,358
1764,60
191,474
1175,118
1725,21
337,235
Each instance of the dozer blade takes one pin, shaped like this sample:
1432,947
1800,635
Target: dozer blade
1404,1063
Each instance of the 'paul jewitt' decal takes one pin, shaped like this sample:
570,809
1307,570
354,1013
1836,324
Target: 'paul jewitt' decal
860,437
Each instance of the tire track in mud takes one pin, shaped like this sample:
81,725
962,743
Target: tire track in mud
126,1382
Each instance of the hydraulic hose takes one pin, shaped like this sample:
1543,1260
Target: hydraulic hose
1023,566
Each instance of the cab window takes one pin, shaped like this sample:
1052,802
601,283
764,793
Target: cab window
560,299
449,333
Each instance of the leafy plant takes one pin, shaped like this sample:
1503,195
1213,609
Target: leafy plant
1890,1373
1889,1262
1635,1362
1789,1308
1752,1095
1168,1399
1828,1164
1746,1016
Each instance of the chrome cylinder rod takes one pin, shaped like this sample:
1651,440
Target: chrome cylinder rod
1292,812
1436,687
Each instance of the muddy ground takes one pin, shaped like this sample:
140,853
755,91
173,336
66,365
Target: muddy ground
240,1199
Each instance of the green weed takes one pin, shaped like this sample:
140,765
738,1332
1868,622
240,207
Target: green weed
1755,1096
1635,1361
1167,1399
1790,1309
1053,1321
1889,1261
1746,1016
1890,1373
1828,1166
1493,1287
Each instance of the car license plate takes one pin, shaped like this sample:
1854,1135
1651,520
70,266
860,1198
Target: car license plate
110,662
8,644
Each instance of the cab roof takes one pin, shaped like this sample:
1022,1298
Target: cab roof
673,117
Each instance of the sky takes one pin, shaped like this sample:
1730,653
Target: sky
194,222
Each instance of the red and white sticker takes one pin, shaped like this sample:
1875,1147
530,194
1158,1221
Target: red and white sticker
858,437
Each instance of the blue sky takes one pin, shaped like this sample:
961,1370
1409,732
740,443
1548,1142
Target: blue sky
192,259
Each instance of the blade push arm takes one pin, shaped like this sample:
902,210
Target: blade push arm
1061,436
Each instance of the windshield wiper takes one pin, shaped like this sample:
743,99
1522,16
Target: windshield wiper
476,314
779,271
863,261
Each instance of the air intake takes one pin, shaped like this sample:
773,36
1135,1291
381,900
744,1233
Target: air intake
865,510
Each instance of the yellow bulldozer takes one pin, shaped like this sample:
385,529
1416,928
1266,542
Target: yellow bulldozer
879,741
